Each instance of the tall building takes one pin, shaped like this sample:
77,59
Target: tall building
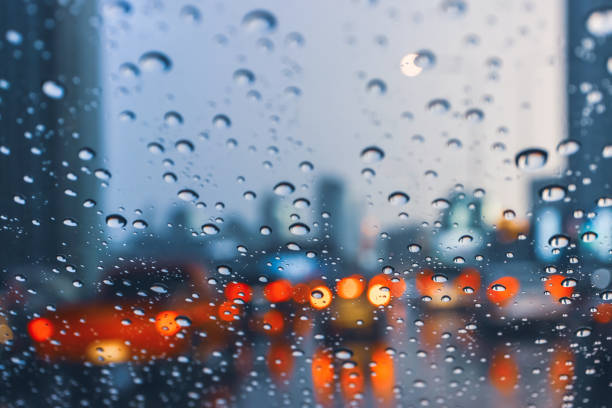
49,112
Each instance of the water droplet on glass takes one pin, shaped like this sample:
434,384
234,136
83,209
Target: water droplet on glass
244,77
184,146
159,288
316,294
295,40
368,173
102,174
569,282
474,115
19,199
221,121
498,287
224,270
414,248
440,204
465,239
299,229
210,229
140,224
454,8
589,236
116,221
306,166
372,154
509,214
438,106
169,177
553,193
155,148
559,241
86,154
249,195
376,86
439,278
89,203
454,144
155,61
425,59
398,198
191,14
292,246
129,70
284,188
13,37
260,21
53,90
531,159
173,118
599,22
583,332
343,354
187,195
301,203
568,147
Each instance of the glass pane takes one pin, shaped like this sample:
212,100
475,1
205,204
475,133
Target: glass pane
368,203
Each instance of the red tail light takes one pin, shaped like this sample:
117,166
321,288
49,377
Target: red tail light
40,329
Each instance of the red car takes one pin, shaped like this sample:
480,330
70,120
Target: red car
145,311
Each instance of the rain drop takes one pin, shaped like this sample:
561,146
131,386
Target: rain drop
210,229
116,221
299,229
531,159
398,198
155,61
284,188
53,90
372,154
260,21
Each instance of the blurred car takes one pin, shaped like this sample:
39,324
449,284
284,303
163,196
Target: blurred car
144,311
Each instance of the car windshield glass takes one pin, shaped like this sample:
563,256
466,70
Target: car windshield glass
306,203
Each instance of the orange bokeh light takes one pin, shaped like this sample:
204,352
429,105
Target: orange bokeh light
469,278
426,285
351,382
166,324
382,374
603,313
40,329
228,310
379,295
561,369
301,293
553,285
350,287
503,373
280,360
278,291
273,322
503,290
238,290
320,297
322,369
397,284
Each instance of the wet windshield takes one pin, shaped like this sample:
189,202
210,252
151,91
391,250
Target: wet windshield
365,203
